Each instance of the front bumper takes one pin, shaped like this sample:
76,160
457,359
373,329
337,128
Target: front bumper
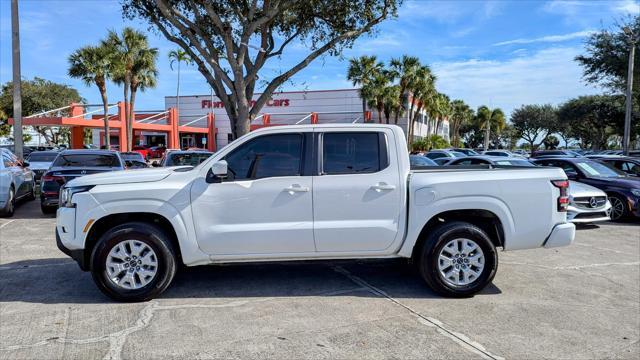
578,215
77,255
561,235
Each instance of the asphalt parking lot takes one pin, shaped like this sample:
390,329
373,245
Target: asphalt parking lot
581,301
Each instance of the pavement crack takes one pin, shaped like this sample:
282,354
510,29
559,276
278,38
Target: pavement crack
459,338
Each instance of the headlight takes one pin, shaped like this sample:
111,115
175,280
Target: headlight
636,192
66,194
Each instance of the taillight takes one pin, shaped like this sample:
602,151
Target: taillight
563,199
55,178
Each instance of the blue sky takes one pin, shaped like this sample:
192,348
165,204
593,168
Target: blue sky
499,53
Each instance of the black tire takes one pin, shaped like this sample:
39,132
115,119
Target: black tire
148,234
10,205
428,257
47,210
617,200
32,192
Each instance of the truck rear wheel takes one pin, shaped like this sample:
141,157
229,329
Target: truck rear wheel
133,262
458,259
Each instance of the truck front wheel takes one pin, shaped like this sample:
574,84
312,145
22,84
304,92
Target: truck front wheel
133,262
458,259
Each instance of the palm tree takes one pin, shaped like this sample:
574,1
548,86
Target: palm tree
443,110
93,65
135,67
461,115
488,119
361,73
178,56
405,70
391,101
423,90
374,92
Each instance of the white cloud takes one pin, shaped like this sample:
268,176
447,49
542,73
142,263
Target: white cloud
628,7
548,39
547,76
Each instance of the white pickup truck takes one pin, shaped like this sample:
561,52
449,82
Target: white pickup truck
306,193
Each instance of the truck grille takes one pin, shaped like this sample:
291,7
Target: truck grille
590,202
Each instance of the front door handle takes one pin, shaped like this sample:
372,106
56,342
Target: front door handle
297,188
383,186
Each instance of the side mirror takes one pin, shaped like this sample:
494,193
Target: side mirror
219,169
572,176
25,164
155,163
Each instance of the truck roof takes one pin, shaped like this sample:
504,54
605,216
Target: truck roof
321,126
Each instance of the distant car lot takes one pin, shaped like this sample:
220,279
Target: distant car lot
575,302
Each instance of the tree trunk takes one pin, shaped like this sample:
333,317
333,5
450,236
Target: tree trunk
178,90
487,134
105,108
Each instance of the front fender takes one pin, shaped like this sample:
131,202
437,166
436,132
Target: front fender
189,250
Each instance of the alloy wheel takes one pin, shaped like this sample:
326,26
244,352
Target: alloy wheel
461,262
617,208
131,264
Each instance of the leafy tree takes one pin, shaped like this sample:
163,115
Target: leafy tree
134,68
508,137
490,121
551,142
534,122
375,90
40,95
593,118
461,114
218,36
607,57
423,95
391,102
362,71
179,56
438,142
94,66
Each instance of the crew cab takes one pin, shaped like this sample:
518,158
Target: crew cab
309,193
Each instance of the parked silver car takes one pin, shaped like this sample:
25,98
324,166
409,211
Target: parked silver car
16,182
587,204
40,162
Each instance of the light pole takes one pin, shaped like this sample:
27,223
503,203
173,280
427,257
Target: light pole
633,39
17,84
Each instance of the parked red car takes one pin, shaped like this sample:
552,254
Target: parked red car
157,152
143,150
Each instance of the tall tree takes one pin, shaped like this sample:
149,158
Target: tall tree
40,95
461,114
134,68
362,71
423,92
606,57
178,56
94,66
534,122
491,120
407,70
375,90
391,102
218,36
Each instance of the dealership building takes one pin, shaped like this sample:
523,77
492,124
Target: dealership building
284,108
196,125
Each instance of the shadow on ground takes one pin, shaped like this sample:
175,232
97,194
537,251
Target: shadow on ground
60,281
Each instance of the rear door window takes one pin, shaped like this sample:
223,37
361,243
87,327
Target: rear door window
353,153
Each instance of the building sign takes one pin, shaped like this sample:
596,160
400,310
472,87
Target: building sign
207,104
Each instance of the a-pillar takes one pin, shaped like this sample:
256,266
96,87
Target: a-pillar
173,137
211,135
123,126
314,118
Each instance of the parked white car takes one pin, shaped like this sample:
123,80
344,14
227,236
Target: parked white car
16,182
308,192
587,204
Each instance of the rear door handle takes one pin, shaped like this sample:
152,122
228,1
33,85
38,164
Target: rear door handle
383,186
297,188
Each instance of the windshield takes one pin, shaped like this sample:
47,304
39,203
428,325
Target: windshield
42,157
87,160
417,160
191,159
458,154
596,169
